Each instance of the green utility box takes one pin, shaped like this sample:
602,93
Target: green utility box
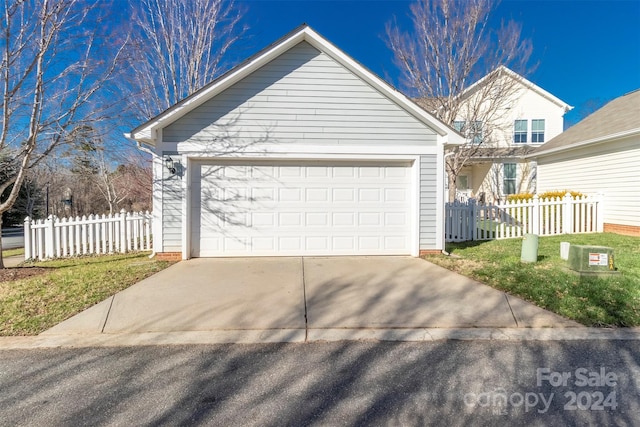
591,260
529,251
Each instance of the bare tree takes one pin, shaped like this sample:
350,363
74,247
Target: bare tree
451,46
56,59
181,47
126,185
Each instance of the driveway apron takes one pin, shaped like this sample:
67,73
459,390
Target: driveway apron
406,292
301,294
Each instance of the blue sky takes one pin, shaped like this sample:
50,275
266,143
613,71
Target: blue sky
587,51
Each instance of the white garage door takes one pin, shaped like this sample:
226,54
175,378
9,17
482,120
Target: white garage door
263,209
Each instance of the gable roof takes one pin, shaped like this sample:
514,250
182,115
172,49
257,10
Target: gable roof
617,119
502,70
146,133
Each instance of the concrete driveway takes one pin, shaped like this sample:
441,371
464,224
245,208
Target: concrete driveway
283,299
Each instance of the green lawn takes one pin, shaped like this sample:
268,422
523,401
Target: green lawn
31,305
613,301
12,252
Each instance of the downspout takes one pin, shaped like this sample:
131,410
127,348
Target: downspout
444,204
444,164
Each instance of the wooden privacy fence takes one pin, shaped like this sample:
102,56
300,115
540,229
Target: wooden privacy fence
62,237
469,220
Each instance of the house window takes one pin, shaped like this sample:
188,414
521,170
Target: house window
509,179
472,132
475,132
520,132
537,130
462,182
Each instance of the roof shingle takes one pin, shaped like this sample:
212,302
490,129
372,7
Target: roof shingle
618,116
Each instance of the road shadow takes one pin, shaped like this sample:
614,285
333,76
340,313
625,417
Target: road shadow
366,383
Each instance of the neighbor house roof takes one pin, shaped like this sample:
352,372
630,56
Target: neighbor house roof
617,119
147,132
428,103
502,70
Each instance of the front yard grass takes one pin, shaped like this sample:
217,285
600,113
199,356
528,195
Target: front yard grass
64,287
613,301
12,252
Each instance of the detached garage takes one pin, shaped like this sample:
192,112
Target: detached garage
298,151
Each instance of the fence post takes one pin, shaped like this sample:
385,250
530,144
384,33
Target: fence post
471,225
536,215
147,234
27,238
600,213
50,237
567,214
90,234
123,231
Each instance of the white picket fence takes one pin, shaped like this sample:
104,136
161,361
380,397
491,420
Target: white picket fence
63,237
466,221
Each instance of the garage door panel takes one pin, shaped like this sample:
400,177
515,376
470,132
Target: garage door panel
316,195
344,243
263,243
290,195
395,194
263,219
369,243
289,219
368,219
317,172
370,172
343,219
301,210
290,244
395,242
338,172
396,172
317,219
396,219
343,195
369,195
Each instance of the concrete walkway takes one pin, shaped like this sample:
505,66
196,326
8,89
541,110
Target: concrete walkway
306,299
13,261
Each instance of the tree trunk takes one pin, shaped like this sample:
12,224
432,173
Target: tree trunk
451,179
1,257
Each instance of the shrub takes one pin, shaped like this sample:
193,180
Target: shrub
559,193
520,197
546,195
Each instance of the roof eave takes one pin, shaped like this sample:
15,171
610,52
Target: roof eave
527,83
147,131
323,45
593,141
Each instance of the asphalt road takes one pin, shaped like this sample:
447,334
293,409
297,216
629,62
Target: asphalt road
443,383
12,238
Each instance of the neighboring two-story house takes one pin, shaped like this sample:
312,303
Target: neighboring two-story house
526,117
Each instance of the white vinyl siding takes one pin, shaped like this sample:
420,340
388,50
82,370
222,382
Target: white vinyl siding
610,169
303,97
428,202
171,209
